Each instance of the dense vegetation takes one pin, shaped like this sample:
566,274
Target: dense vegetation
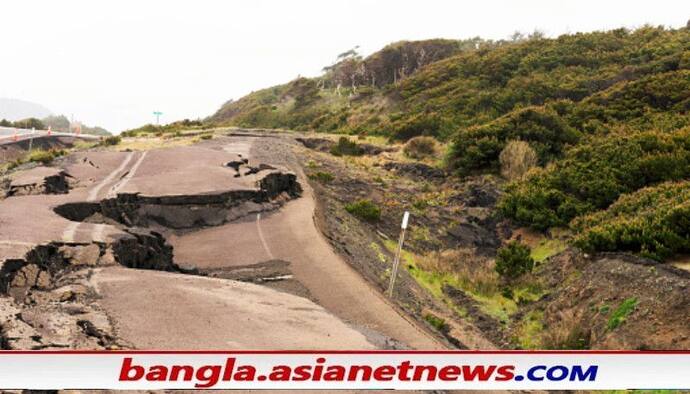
653,221
27,123
603,114
159,130
595,173
475,83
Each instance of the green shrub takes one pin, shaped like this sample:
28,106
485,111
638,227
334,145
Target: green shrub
112,140
594,174
364,209
513,260
437,322
422,124
485,80
420,147
45,156
479,148
345,147
206,136
638,104
323,177
653,222
621,313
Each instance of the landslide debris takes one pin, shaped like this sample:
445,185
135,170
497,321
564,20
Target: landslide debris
43,265
47,302
62,316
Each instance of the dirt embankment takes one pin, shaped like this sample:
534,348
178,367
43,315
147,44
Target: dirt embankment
368,245
612,301
14,151
449,283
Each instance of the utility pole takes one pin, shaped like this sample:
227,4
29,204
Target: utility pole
396,262
158,114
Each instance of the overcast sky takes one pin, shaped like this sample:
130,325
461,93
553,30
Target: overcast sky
113,62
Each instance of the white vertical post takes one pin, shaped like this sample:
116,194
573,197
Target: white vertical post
396,261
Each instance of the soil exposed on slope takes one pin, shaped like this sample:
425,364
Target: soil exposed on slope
569,301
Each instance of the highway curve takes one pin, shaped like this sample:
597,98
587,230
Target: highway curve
229,222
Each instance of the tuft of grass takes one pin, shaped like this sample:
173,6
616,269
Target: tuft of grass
345,147
379,253
437,322
621,313
45,156
530,330
364,209
322,176
454,268
547,248
111,141
420,147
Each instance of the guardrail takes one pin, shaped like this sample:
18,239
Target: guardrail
10,134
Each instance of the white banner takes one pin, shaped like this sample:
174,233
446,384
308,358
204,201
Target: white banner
303,370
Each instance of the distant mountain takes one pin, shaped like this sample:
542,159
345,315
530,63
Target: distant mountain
13,109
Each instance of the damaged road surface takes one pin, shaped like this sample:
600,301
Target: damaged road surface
165,249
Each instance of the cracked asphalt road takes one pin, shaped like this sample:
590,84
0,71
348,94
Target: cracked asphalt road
164,310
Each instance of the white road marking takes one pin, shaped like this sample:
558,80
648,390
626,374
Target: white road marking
261,237
72,229
119,185
93,194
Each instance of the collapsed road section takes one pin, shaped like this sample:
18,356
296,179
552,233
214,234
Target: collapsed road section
59,254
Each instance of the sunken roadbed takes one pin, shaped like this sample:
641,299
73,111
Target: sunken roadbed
130,249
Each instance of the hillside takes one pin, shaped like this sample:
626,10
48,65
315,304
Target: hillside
463,84
604,114
13,109
54,122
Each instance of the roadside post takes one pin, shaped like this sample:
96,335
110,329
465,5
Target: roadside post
31,140
396,261
158,116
